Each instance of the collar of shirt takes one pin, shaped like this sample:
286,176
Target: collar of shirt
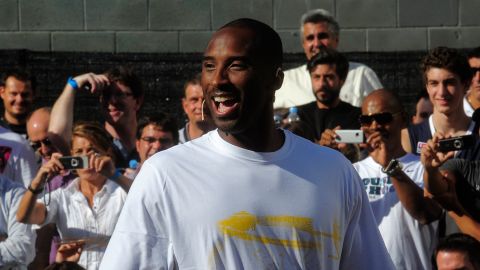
74,189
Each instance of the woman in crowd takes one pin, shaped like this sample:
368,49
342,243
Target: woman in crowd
86,211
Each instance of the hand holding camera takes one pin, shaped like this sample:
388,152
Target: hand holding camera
439,149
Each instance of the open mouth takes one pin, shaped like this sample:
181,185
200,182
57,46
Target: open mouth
225,105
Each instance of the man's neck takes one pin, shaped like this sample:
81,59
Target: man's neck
334,104
453,124
125,134
267,139
197,129
13,120
475,103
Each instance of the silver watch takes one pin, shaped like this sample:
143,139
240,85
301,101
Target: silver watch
393,166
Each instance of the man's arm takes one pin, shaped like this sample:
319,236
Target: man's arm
362,238
466,224
432,159
19,246
140,239
61,118
406,141
413,198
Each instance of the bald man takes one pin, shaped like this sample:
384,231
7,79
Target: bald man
393,181
37,130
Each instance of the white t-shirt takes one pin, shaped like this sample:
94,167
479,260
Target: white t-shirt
409,243
21,164
297,86
18,250
207,204
75,220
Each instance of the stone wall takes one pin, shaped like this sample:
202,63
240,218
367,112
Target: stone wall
179,26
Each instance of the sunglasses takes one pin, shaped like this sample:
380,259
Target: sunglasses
381,118
37,144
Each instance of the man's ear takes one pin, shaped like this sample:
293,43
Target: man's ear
184,104
2,90
278,78
139,102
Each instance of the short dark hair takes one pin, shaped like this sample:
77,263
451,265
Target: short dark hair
161,120
126,76
330,57
266,41
195,80
449,59
462,243
475,53
21,75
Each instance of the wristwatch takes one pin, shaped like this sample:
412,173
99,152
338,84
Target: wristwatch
393,167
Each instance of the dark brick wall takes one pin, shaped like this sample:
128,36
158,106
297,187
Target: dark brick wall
164,74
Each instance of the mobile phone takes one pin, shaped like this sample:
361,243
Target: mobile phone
456,143
349,136
74,162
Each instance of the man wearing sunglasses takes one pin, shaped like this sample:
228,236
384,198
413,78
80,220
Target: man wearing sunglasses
447,76
471,102
120,98
393,181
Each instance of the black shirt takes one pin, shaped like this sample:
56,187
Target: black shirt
344,115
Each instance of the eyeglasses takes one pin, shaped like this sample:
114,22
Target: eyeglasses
160,140
37,144
381,118
107,94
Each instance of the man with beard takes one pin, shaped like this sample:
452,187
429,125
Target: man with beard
199,122
247,195
393,182
328,70
17,92
121,96
318,29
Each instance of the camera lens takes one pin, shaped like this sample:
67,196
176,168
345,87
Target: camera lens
457,144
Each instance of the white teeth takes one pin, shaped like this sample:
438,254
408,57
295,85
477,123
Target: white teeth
221,99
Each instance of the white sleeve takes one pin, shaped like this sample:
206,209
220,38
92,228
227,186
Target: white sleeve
28,165
19,247
140,239
369,81
363,246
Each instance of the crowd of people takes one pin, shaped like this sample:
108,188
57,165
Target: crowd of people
231,189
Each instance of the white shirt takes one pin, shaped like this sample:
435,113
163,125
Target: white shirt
409,243
467,107
75,220
297,86
18,250
207,204
21,164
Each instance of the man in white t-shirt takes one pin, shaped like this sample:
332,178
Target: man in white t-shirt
17,159
319,29
403,214
256,197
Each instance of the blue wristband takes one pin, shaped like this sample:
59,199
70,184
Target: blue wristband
116,175
72,83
